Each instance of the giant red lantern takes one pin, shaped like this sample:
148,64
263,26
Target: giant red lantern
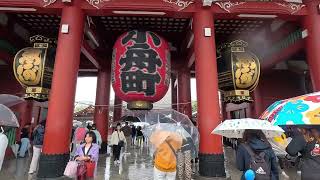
140,68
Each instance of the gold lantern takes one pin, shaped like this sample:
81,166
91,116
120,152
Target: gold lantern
33,67
239,71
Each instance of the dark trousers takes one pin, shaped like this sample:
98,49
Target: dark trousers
116,152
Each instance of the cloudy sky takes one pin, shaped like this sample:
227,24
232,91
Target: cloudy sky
86,91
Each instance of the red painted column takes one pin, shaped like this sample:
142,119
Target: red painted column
258,104
184,92
312,24
101,111
117,111
211,154
26,115
55,151
174,93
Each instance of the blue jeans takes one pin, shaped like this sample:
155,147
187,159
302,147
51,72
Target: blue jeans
24,146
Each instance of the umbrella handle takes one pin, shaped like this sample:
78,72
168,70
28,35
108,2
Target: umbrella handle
2,131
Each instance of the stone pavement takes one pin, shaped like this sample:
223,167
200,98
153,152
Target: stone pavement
136,165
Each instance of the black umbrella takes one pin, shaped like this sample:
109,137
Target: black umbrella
130,119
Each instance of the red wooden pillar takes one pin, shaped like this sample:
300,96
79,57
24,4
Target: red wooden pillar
312,24
258,106
174,93
25,116
211,154
55,151
117,111
184,92
101,111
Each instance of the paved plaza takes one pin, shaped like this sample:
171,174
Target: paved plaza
137,164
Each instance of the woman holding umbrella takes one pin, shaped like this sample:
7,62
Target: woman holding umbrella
165,157
255,153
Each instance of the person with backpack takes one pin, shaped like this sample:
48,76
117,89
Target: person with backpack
256,153
165,155
37,138
307,143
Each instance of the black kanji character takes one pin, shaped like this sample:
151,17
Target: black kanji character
141,59
138,81
140,37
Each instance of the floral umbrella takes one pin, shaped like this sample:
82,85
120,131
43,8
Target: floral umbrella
301,110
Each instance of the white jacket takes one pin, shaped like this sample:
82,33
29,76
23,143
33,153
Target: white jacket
115,138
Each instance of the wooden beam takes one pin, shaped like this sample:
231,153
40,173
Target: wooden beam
275,8
283,55
187,43
191,57
91,33
90,54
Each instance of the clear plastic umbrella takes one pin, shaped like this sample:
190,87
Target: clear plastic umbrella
172,121
7,117
10,100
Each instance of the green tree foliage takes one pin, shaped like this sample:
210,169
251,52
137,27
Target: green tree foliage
194,105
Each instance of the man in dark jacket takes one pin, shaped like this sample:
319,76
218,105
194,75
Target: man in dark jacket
38,136
257,145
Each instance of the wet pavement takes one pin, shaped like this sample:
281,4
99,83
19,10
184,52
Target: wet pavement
136,164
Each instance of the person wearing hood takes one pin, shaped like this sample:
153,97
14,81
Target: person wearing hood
256,142
307,143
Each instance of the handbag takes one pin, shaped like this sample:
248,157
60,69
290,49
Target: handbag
81,171
71,169
90,168
120,143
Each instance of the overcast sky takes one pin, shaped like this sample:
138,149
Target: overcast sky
86,90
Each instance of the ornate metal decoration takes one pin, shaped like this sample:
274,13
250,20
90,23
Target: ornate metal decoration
227,5
48,2
180,3
239,71
292,6
95,3
33,67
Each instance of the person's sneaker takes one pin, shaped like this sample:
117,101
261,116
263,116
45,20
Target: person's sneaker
30,172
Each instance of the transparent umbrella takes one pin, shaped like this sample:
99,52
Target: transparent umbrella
10,100
7,117
171,121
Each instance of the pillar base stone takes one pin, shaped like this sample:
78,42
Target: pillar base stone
52,165
212,165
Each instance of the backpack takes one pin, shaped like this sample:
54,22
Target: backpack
258,164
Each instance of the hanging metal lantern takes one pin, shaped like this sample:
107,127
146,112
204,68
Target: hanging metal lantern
239,71
33,67
140,68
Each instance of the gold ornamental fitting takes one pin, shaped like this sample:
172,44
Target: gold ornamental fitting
140,105
237,96
38,93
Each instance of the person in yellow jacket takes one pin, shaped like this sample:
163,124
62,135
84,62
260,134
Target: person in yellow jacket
165,161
